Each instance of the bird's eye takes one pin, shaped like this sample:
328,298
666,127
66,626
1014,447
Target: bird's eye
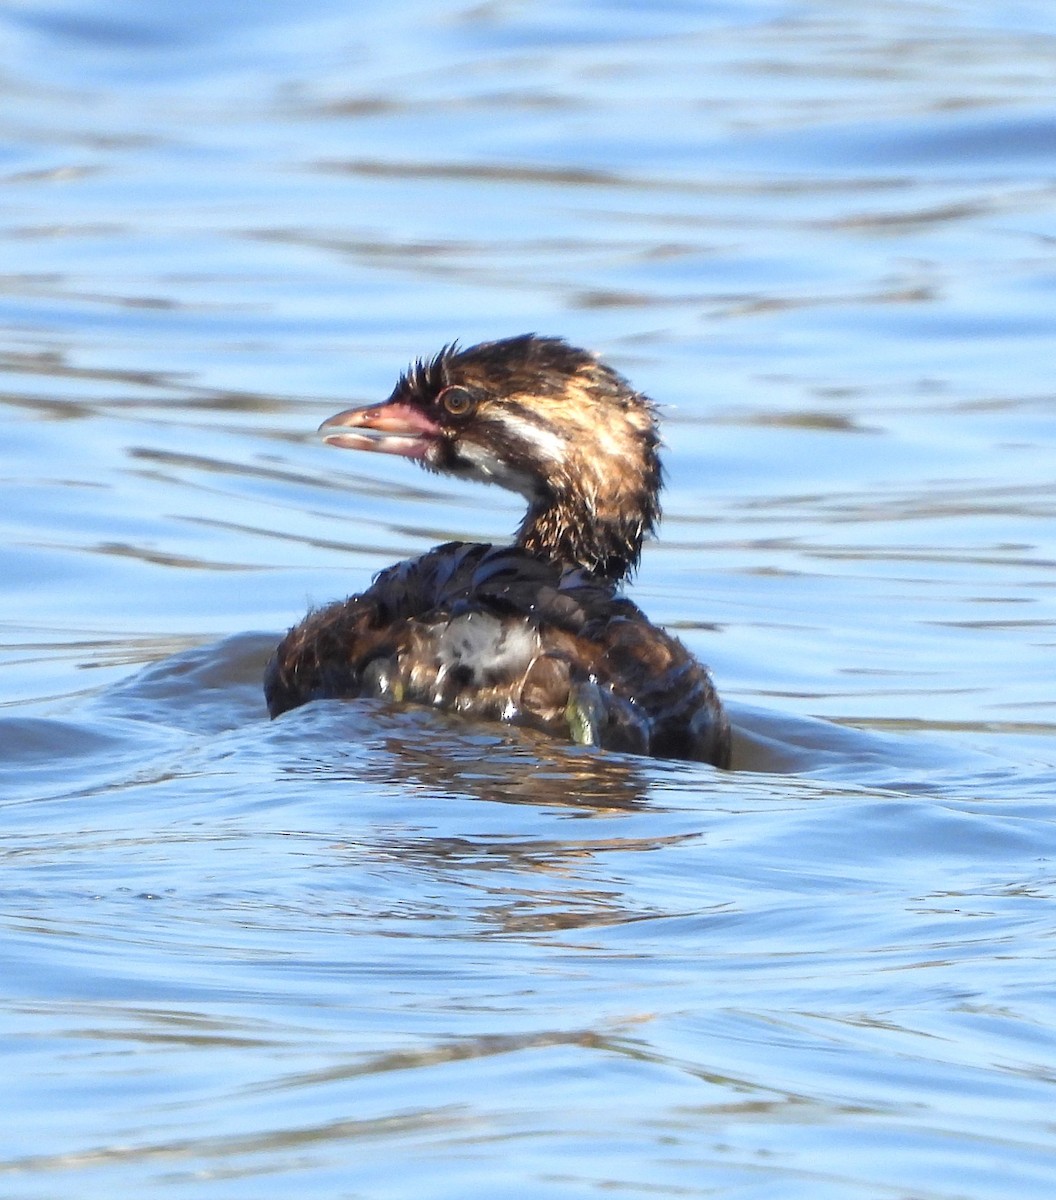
458,401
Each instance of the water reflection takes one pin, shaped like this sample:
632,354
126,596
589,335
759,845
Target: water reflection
427,752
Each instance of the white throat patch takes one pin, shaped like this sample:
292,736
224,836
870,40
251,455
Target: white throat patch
487,468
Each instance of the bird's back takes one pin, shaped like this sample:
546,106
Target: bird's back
497,633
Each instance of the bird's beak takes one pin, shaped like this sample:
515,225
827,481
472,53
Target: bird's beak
388,428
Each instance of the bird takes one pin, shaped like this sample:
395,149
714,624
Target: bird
537,632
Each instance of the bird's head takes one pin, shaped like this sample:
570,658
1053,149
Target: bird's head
537,416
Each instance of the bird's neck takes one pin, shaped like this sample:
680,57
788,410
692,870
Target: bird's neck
604,539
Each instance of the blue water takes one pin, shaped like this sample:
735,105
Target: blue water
371,952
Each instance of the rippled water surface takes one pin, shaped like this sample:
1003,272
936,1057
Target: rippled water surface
366,952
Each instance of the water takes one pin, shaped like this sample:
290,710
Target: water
369,952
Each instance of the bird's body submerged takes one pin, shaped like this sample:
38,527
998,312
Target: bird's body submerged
535,633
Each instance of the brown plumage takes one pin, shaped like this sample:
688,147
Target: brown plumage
535,633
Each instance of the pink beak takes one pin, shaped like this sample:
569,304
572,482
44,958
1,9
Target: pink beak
391,427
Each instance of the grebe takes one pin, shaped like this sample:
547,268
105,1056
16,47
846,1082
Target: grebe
534,633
